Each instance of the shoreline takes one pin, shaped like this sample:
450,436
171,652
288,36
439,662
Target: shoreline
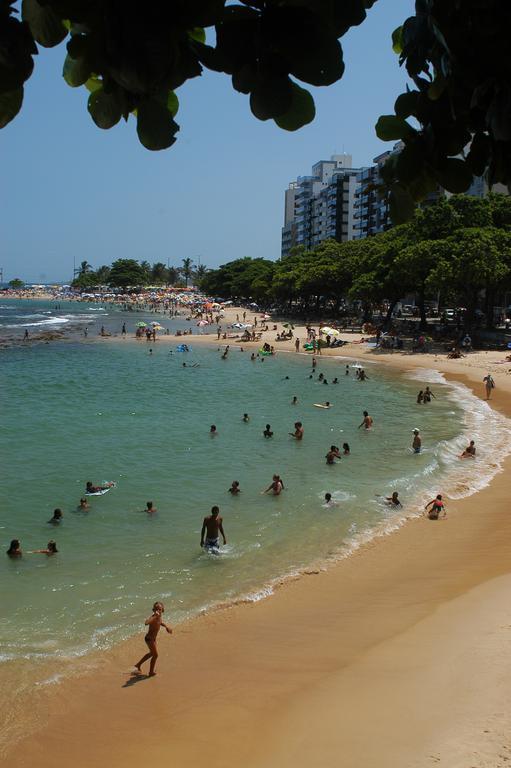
375,608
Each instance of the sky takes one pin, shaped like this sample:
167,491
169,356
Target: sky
71,192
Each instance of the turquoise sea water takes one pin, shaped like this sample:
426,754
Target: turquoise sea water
101,410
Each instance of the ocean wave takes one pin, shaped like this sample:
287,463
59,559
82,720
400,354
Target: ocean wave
48,321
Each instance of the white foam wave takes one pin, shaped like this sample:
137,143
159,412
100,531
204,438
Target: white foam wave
490,430
48,321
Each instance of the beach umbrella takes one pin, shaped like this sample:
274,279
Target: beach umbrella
329,331
141,324
289,325
266,317
201,323
155,324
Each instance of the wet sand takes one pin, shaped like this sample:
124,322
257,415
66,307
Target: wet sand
396,656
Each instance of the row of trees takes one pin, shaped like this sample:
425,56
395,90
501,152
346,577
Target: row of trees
460,248
129,272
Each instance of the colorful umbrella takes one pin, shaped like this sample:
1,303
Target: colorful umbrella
141,324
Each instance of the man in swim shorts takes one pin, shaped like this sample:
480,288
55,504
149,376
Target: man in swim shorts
416,442
211,527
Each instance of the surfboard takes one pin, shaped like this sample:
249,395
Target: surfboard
321,405
100,493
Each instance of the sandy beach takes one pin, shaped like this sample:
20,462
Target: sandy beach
396,656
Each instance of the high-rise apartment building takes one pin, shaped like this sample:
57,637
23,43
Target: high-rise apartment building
344,203
321,206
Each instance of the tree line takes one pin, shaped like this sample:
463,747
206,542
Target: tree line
458,248
124,273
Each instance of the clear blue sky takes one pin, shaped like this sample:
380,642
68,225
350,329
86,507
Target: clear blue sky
70,189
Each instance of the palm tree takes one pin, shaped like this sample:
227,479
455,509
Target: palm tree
186,269
83,269
200,273
159,273
172,275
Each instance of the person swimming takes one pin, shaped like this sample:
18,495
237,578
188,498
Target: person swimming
294,401
57,517
245,417
14,549
329,502
84,505
212,430
89,488
346,449
51,549
469,452
235,488
393,500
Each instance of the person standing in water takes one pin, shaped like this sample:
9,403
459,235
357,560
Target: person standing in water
235,488
489,385
437,506
212,526
276,486
416,442
367,422
268,431
428,394
298,433
154,622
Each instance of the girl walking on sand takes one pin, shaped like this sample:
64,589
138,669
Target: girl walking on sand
154,622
